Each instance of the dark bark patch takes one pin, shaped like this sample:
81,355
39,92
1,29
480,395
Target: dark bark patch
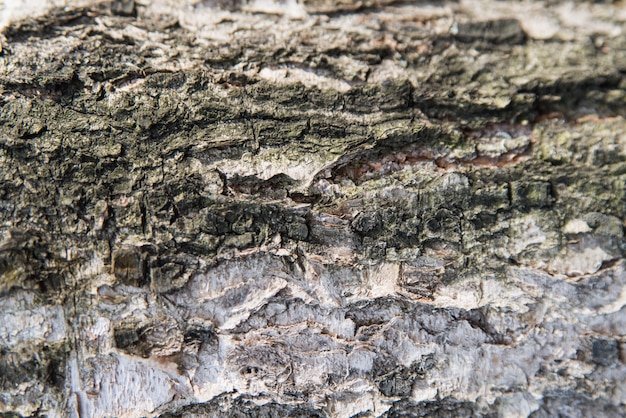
124,8
129,266
444,408
605,352
394,380
531,194
499,31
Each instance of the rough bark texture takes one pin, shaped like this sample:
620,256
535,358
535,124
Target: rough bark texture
376,208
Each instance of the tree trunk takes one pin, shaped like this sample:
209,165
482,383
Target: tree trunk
373,208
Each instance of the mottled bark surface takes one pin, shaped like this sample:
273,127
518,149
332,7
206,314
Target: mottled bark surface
334,209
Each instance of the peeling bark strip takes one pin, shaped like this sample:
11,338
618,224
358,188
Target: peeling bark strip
312,208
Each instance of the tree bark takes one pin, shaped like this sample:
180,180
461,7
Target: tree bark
316,208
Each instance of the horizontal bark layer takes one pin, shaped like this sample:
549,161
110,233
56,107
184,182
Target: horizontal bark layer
379,208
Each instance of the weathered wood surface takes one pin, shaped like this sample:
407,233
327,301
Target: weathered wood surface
229,208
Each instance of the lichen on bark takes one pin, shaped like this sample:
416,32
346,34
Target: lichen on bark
313,208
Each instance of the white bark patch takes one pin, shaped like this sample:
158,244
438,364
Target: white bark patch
526,233
308,78
43,324
583,258
131,387
576,226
